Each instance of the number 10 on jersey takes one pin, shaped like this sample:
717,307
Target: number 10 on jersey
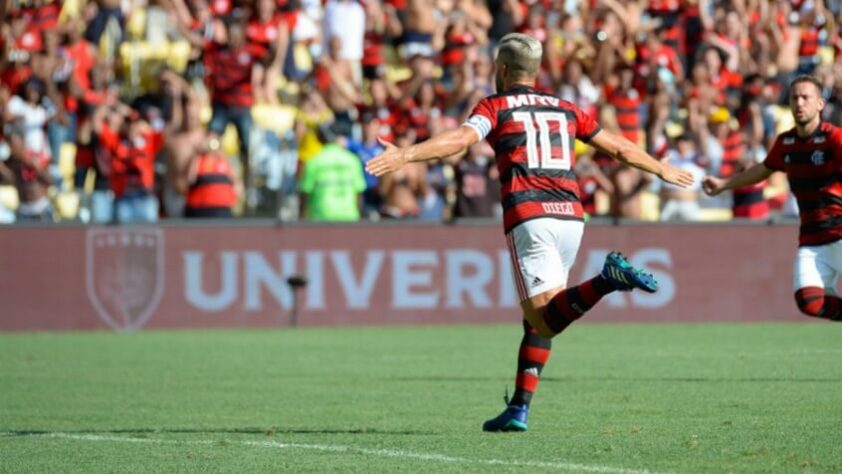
546,159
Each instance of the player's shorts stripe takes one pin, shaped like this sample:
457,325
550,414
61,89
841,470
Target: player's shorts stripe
519,283
519,278
523,288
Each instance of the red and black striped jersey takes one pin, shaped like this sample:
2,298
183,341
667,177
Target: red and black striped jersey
43,18
229,73
132,161
733,151
749,202
263,35
214,187
374,40
533,134
627,106
669,14
813,165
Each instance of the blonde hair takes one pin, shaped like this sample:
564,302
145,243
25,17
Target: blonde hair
521,53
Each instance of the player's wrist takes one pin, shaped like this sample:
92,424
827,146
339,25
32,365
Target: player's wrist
660,172
407,155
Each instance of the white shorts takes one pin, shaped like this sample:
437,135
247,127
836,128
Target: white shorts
543,251
818,266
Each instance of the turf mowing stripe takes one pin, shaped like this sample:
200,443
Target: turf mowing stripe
348,449
446,458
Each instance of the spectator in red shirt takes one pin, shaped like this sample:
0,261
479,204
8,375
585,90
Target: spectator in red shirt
626,101
584,40
233,70
384,106
269,34
212,191
423,110
381,24
82,57
127,150
17,47
658,61
592,181
42,15
813,34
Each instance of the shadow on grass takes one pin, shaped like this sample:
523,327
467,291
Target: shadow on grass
629,379
252,431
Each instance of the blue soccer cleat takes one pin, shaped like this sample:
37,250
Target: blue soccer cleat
625,277
513,418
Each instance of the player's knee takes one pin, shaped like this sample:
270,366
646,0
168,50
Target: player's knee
810,300
545,331
535,318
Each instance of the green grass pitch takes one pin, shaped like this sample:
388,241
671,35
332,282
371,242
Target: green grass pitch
614,398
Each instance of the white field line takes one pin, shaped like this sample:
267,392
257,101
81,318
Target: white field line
389,453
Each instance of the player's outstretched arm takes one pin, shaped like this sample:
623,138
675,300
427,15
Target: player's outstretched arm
438,147
755,174
627,152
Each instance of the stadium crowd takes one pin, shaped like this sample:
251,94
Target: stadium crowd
135,110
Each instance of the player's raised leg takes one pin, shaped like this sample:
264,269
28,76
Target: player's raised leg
551,314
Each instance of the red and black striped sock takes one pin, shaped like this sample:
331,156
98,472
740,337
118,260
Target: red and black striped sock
571,303
813,301
533,354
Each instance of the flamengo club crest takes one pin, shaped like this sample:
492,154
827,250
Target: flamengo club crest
125,274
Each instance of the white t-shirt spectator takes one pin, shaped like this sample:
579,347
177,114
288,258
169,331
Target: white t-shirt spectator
33,118
346,19
689,164
583,93
305,29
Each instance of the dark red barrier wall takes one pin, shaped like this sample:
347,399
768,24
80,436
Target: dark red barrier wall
181,277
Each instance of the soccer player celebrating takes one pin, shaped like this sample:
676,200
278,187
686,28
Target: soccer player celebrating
811,155
532,135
